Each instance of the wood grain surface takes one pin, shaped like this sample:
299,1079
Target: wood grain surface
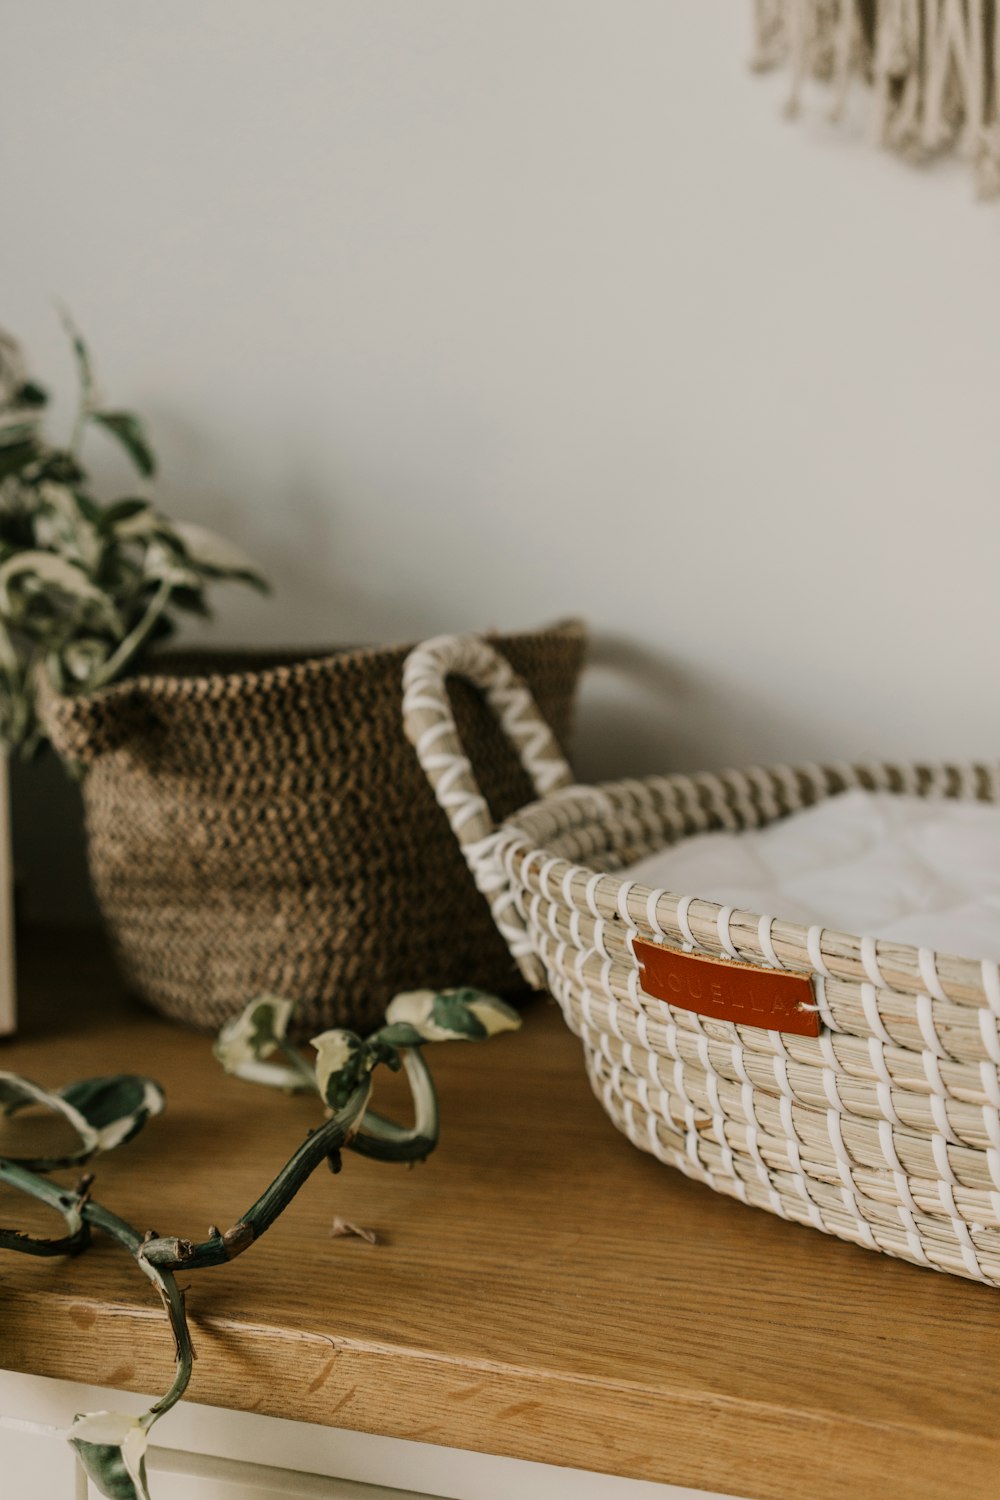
540,1289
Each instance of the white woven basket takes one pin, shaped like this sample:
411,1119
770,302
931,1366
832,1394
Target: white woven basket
884,1129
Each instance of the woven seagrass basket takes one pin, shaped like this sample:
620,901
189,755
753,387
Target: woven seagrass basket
882,1128
261,824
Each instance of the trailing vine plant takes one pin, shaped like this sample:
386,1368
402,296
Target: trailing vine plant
108,1112
86,587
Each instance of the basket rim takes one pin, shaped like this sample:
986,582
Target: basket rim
298,664
735,933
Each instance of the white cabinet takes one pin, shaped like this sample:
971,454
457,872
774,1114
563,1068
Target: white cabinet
36,1463
206,1453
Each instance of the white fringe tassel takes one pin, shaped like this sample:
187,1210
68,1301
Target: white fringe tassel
934,66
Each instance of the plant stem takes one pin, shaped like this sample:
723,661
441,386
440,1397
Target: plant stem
70,1202
81,1215
170,1294
134,641
353,1126
385,1140
85,377
68,1244
159,1257
173,1253
273,1075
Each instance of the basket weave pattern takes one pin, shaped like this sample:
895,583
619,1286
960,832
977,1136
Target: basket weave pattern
265,826
883,1130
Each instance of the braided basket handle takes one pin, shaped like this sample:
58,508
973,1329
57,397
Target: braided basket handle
430,727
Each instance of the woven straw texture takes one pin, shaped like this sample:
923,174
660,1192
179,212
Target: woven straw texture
884,1130
266,827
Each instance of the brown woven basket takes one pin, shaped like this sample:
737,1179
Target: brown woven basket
262,824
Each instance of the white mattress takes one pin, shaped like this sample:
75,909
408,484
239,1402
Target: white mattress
911,869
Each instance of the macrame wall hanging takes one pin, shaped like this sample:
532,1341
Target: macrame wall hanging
934,66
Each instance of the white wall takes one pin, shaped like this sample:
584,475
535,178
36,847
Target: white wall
461,312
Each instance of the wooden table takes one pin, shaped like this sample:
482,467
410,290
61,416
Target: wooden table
540,1289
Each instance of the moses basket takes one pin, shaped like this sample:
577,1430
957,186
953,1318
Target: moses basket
882,1128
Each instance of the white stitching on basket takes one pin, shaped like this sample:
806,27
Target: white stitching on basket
927,960
939,1148
925,1020
766,942
869,1004
829,1075
991,1084
598,940
845,1166
869,960
780,1069
939,1111
814,939
690,941
725,937
960,1229
652,901
825,1013
876,1051
991,985
990,1032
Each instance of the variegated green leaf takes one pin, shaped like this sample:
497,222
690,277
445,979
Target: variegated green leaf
400,1034
127,428
63,524
85,589
32,395
341,1062
112,1448
492,1013
81,659
117,1107
18,427
131,509
450,1013
254,1033
104,1112
163,565
51,571
16,457
18,1093
60,498
415,1008
141,523
84,368
464,1014
215,554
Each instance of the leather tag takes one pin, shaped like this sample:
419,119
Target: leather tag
728,991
